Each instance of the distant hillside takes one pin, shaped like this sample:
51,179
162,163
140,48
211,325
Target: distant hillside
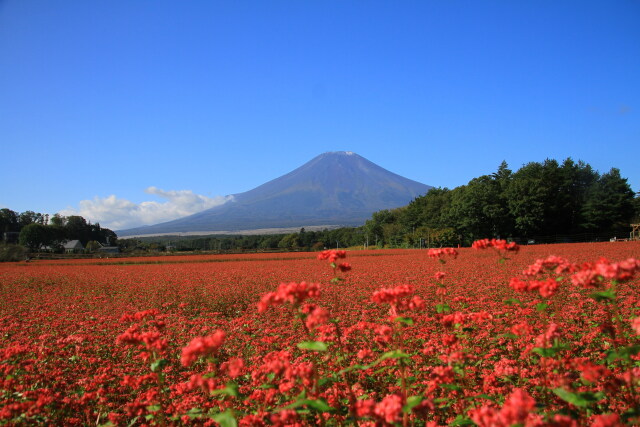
333,189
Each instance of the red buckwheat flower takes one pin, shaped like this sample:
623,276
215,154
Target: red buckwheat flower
293,293
202,346
439,253
332,255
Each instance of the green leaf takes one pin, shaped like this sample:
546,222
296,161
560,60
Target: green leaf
319,405
451,386
230,390
356,368
578,399
194,413
323,382
512,301
545,352
443,308
542,306
608,295
225,419
482,396
508,335
623,353
313,346
154,408
393,354
631,413
461,420
157,365
412,402
552,351
406,320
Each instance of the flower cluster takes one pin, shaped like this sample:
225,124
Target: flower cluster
594,274
148,334
202,346
547,288
388,410
498,244
517,409
551,264
400,298
292,292
315,315
438,253
332,255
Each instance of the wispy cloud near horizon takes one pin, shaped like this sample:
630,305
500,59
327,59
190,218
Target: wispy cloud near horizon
119,214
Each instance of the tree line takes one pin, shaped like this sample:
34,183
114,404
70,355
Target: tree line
37,230
540,199
300,241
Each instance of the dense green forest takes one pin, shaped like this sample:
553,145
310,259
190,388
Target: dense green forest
35,230
303,240
540,202
569,202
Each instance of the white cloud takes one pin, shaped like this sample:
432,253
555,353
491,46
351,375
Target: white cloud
118,214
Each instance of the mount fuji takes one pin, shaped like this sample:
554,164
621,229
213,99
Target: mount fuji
333,189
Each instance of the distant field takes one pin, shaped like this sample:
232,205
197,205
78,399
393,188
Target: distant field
461,349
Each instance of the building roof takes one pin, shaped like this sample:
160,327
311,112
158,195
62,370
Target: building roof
73,244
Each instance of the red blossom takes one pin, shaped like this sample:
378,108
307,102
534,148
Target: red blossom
398,299
332,255
635,324
593,274
546,288
234,367
315,315
292,292
516,409
441,252
202,346
344,267
607,420
365,407
501,245
390,408
552,263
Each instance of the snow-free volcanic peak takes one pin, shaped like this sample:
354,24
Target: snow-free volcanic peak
338,188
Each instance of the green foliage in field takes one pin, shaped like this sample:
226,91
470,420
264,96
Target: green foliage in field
540,199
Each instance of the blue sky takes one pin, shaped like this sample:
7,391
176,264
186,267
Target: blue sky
135,111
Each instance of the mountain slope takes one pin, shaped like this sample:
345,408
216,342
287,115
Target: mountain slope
336,188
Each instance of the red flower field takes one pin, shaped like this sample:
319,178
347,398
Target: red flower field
493,336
